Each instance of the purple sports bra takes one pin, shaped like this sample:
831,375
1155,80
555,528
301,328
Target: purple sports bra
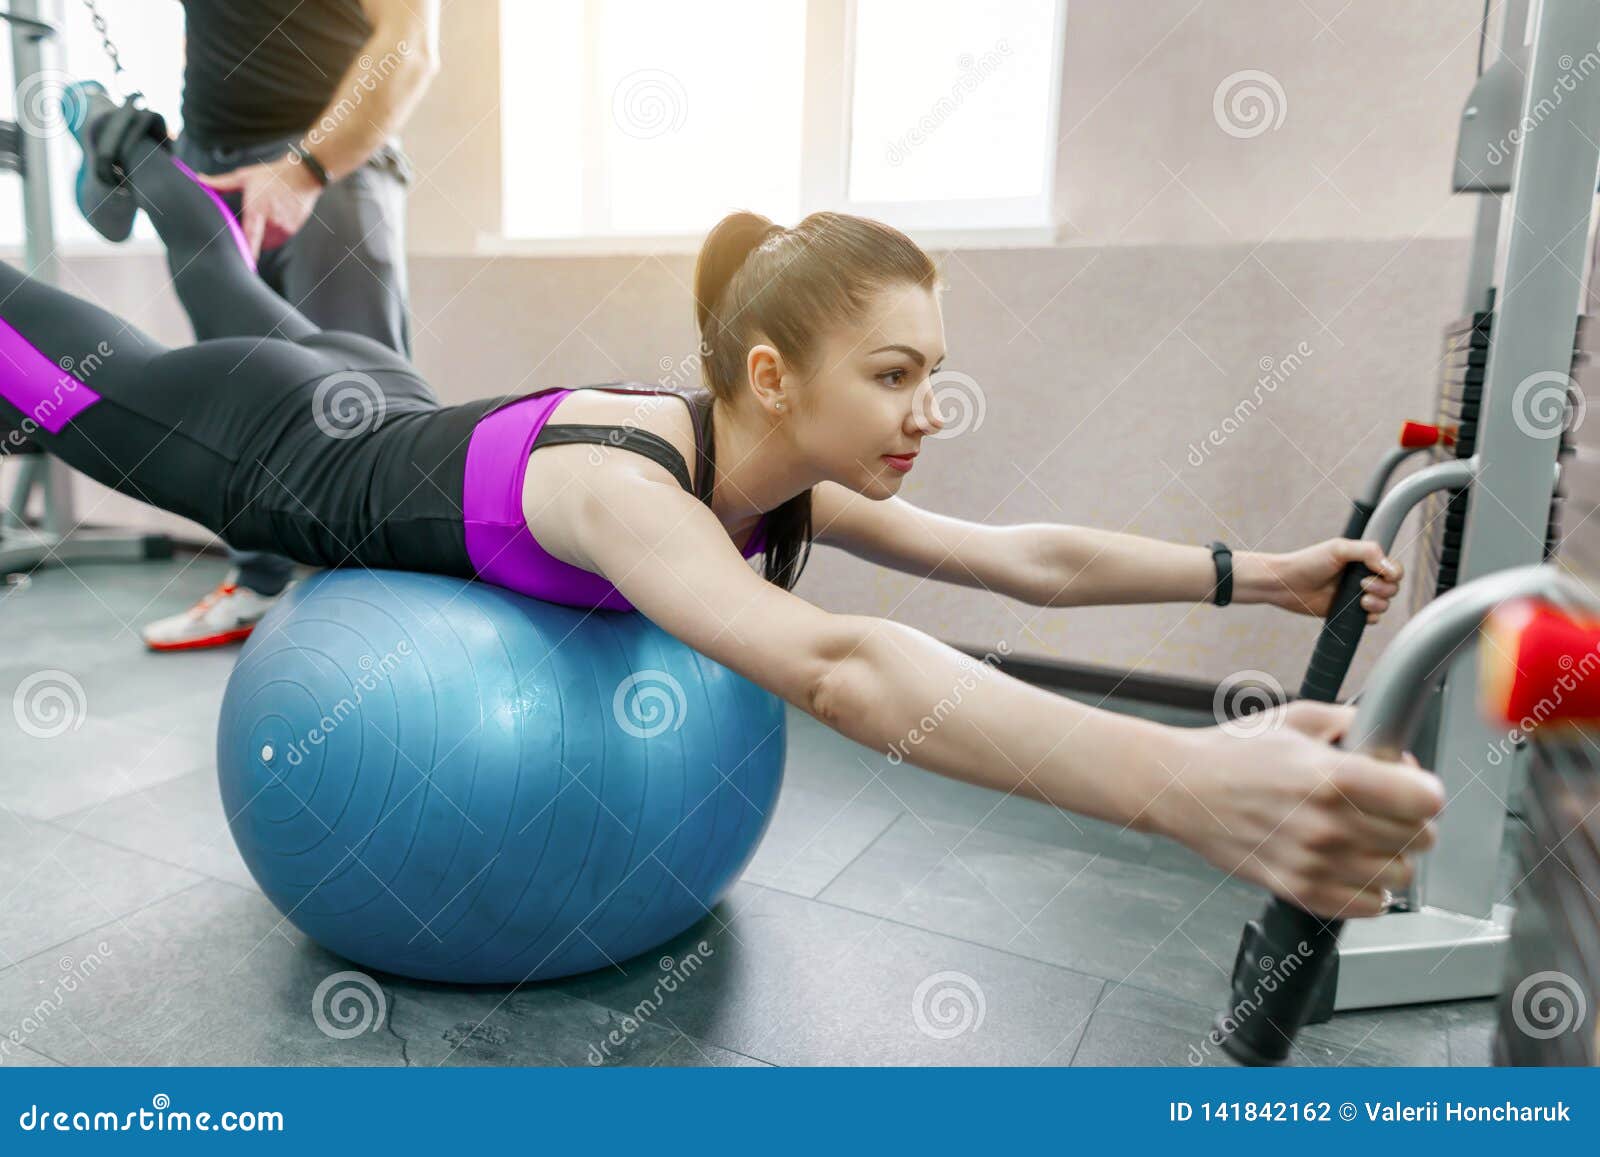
500,546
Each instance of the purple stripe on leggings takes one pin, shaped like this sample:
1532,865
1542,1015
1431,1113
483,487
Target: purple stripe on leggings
222,207
38,387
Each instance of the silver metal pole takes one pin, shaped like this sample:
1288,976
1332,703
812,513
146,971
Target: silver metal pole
35,64
1525,386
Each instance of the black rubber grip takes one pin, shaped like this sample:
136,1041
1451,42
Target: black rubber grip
1286,970
1360,512
1285,973
1341,635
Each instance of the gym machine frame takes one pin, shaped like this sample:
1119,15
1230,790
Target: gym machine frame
1260,1026
1448,937
59,539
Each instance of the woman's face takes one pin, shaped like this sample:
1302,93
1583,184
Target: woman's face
863,415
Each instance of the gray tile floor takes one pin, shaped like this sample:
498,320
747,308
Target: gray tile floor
891,916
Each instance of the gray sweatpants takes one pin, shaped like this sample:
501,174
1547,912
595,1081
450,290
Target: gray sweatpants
345,270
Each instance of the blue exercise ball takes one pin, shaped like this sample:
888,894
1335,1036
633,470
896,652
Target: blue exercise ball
448,781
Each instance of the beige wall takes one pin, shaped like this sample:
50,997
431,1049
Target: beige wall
1371,95
1190,255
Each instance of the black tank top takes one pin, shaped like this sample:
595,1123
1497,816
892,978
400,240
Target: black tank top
261,70
392,496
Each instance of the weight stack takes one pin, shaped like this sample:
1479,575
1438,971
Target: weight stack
1462,368
1547,1012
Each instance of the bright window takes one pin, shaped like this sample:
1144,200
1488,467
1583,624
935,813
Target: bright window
149,39
651,119
950,100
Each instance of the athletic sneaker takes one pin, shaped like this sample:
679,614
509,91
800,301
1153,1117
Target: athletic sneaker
226,615
102,127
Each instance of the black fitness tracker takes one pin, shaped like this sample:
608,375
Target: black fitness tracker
309,160
1222,556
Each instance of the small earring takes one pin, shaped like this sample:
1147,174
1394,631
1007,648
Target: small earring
780,405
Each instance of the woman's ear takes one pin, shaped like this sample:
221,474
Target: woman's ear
765,368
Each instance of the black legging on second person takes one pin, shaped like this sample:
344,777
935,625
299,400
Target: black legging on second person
344,268
326,447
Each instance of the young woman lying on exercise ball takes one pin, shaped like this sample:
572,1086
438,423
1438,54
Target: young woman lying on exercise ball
819,344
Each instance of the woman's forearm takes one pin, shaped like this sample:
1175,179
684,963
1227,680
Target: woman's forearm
1278,805
922,702
1078,566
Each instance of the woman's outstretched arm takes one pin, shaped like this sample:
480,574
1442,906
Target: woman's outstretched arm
1056,565
1285,809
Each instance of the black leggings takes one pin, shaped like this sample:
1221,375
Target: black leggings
255,435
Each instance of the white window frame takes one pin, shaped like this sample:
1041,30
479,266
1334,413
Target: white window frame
829,67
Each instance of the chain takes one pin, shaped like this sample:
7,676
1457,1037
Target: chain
105,41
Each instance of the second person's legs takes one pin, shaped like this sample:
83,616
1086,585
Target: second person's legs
216,280
344,270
